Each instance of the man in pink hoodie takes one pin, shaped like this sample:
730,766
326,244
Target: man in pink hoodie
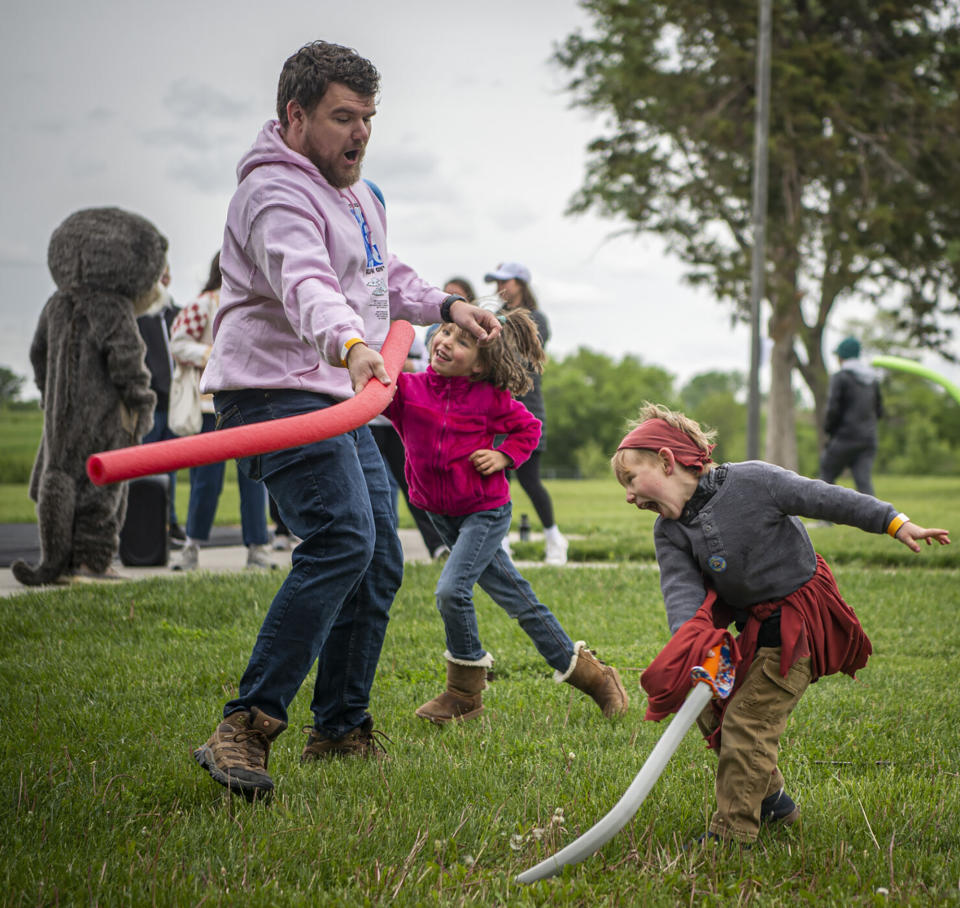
309,290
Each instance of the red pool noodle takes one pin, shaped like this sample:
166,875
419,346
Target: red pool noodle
260,438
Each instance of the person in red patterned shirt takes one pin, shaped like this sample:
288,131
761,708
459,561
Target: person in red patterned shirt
191,339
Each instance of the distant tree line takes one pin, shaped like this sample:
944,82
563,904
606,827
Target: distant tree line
10,386
590,398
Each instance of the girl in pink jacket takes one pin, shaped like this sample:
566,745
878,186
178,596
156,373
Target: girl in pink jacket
462,428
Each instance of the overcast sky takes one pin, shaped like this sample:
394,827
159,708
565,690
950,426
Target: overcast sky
475,145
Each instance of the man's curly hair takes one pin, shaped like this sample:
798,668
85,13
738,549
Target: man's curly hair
306,76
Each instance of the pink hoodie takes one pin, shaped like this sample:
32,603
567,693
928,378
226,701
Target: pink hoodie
442,421
298,279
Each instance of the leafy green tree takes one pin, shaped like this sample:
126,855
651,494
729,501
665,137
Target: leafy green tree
589,400
715,400
920,431
864,141
10,386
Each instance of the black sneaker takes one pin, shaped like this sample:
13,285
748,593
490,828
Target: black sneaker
779,808
177,536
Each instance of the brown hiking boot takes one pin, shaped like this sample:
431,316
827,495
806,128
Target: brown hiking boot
362,741
463,698
596,679
237,753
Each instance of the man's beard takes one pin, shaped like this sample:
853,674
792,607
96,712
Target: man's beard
339,180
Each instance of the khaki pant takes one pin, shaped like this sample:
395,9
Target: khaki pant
750,742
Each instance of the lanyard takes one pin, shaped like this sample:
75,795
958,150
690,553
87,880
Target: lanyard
374,258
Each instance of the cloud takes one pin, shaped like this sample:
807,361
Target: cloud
18,254
87,168
189,136
190,100
513,215
211,174
100,115
407,173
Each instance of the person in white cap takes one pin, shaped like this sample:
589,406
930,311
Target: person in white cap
513,286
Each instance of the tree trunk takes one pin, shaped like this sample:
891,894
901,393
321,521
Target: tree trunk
781,442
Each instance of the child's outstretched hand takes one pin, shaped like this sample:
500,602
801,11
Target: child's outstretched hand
909,533
487,462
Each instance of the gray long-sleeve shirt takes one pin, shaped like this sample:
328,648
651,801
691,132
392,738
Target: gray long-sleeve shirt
747,542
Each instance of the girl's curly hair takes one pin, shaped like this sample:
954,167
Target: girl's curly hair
507,361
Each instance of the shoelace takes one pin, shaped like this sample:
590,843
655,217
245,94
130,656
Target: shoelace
375,738
234,749
371,739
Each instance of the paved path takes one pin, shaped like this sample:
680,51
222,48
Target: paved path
225,554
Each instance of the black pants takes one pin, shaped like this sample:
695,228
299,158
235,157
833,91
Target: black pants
394,455
528,476
857,455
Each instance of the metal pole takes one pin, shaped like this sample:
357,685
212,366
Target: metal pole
758,257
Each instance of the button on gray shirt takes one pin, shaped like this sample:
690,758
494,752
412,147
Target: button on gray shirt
747,541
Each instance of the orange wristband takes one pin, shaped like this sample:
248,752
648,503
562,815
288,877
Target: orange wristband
348,346
896,523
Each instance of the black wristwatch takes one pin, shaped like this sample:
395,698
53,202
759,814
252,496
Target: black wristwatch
446,304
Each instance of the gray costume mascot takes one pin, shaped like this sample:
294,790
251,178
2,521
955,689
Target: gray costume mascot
87,358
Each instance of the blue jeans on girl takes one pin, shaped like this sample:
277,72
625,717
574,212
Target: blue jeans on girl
477,557
333,607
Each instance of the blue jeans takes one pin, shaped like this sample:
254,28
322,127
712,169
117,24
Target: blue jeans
206,484
333,607
161,432
477,557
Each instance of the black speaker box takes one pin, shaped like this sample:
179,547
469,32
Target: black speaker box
145,536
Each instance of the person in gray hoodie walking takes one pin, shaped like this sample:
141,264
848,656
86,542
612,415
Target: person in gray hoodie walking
853,407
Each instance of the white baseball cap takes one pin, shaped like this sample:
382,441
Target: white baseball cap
508,270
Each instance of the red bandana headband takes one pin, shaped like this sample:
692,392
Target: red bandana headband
654,434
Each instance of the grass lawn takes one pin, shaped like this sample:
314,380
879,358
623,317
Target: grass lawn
605,529
105,691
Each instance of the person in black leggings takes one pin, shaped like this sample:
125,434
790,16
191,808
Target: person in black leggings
513,287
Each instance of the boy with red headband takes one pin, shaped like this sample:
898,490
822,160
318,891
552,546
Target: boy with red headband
731,549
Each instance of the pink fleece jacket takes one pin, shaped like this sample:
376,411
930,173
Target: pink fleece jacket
442,421
301,277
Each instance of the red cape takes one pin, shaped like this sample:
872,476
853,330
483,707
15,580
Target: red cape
814,621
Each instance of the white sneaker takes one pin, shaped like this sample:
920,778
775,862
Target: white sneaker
557,551
505,545
189,558
257,558
281,543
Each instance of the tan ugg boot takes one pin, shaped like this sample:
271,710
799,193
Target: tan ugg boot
462,699
596,679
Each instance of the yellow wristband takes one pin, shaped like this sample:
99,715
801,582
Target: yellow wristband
348,346
896,523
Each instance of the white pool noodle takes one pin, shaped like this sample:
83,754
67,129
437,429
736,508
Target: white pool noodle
605,829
